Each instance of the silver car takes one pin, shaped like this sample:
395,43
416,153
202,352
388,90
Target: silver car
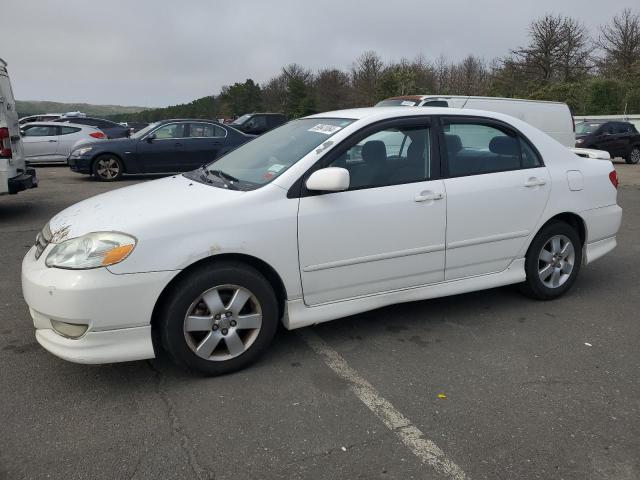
50,142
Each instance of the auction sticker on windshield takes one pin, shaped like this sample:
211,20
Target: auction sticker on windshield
324,128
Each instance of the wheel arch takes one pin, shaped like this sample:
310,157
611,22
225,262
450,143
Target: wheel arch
570,218
263,267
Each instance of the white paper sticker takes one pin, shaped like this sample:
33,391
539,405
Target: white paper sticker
275,168
408,103
326,129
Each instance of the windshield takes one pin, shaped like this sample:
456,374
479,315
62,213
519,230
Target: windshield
141,133
266,157
397,102
241,120
585,128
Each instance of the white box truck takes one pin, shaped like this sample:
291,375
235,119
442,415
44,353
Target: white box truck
14,174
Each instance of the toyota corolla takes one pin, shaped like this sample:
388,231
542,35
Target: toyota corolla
324,217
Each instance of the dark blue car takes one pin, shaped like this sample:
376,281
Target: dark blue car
164,147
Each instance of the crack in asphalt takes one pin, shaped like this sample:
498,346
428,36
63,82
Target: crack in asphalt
200,472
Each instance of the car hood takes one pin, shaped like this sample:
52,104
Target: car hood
143,209
117,143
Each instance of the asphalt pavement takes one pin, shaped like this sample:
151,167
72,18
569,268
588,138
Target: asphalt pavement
503,386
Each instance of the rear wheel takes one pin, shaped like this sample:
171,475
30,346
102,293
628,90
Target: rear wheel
553,261
219,318
107,168
634,156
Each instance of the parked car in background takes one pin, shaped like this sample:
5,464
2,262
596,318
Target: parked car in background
48,117
162,147
553,118
14,174
51,142
109,128
44,117
321,218
258,123
620,139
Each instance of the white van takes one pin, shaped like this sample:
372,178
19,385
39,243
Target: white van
14,174
553,118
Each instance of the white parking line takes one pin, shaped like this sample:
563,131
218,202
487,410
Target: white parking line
423,448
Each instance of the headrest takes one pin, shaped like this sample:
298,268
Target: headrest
374,150
504,145
454,144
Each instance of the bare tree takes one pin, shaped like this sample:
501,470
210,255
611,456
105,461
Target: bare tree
620,44
332,90
575,51
365,74
441,70
541,56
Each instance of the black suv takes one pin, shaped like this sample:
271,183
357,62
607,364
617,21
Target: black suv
258,123
620,139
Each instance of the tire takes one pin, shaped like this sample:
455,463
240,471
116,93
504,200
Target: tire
562,266
634,156
219,318
107,168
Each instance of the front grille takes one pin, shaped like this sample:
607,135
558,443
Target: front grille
42,240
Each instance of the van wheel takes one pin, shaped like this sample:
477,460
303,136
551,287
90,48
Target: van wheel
107,168
634,156
553,261
219,318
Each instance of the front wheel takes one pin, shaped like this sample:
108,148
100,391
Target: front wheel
553,261
107,168
219,318
634,156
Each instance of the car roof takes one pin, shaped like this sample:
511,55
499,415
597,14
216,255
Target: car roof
392,112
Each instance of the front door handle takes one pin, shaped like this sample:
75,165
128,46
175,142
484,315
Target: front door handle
177,144
535,182
53,141
428,195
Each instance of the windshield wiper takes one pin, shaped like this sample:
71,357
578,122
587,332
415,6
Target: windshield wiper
224,177
222,174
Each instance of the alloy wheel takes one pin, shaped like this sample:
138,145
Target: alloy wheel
223,322
107,168
556,261
635,155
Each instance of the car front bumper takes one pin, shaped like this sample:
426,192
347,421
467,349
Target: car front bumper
116,310
79,164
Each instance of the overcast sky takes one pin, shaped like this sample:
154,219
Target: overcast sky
157,52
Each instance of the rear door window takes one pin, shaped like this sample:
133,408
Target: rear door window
476,148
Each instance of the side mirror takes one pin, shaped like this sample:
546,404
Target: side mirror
151,138
331,179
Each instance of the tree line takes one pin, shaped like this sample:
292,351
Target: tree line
595,73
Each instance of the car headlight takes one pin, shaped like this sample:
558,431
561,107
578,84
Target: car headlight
81,151
93,250
579,140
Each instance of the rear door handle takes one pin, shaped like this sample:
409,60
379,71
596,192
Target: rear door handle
535,182
428,195
53,141
177,144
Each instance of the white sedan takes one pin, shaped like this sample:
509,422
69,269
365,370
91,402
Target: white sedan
51,142
326,216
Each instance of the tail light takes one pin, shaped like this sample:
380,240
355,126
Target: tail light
613,176
5,143
97,135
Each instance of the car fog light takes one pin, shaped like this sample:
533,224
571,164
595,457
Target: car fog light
70,330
